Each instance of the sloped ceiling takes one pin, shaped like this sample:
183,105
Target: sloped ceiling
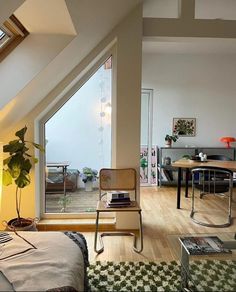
46,17
92,20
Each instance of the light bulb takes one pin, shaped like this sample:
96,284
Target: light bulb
108,108
103,99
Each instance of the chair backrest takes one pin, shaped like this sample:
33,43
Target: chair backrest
218,157
212,179
111,179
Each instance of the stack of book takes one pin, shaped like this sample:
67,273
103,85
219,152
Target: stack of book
118,199
203,245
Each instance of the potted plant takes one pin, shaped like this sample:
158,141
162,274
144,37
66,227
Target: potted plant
169,139
143,165
88,176
16,169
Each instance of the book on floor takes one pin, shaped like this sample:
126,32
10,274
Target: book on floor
203,245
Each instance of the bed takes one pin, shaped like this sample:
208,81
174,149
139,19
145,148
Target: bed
44,261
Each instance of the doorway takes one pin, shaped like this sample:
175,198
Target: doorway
147,150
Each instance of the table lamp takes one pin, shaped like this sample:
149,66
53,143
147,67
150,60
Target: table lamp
227,140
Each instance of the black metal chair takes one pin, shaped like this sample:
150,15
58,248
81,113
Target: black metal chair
221,186
212,180
219,157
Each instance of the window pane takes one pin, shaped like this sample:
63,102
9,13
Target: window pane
78,135
2,34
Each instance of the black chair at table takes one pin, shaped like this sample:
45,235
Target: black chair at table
219,157
212,180
221,186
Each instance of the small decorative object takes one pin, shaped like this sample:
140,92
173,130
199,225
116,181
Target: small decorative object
186,156
16,168
203,157
184,127
227,140
89,175
167,161
143,165
169,139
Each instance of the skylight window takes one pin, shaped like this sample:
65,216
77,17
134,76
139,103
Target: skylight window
12,33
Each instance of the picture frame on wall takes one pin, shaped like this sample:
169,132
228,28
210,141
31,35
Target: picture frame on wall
184,127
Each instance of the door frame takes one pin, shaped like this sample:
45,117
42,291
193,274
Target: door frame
149,92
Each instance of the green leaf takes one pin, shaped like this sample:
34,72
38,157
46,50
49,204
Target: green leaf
26,165
35,160
23,179
6,177
6,161
21,133
13,146
15,165
38,146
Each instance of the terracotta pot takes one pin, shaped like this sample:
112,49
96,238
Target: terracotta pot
25,224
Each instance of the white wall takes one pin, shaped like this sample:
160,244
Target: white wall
195,86
74,132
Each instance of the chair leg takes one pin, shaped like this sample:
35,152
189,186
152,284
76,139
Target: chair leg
138,250
140,236
96,237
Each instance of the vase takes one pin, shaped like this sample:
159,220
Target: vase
168,143
88,186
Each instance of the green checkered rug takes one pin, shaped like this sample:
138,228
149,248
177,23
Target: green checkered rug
152,276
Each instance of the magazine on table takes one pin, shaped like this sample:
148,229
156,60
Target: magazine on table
203,245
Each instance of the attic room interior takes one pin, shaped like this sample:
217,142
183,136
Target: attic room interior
117,118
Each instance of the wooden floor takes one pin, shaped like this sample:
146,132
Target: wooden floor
80,201
161,222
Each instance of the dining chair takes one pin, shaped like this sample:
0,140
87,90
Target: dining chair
113,180
213,181
219,188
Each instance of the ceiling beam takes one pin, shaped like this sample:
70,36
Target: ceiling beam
187,26
175,27
186,9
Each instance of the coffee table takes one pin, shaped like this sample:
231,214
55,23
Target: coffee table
211,272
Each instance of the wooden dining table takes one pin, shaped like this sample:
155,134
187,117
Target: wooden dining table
188,164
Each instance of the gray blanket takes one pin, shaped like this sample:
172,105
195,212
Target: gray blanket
56,265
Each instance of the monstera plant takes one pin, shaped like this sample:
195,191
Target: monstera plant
16,170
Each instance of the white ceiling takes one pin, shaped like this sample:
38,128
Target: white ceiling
169,45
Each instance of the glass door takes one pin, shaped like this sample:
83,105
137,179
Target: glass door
147,151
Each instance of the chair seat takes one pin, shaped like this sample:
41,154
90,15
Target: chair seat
102,207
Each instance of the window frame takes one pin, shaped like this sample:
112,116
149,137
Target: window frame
67,94
16,33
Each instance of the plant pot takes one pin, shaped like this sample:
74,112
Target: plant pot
88,186
25,224
168,143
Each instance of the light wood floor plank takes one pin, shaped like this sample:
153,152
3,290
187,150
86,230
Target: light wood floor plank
161,219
